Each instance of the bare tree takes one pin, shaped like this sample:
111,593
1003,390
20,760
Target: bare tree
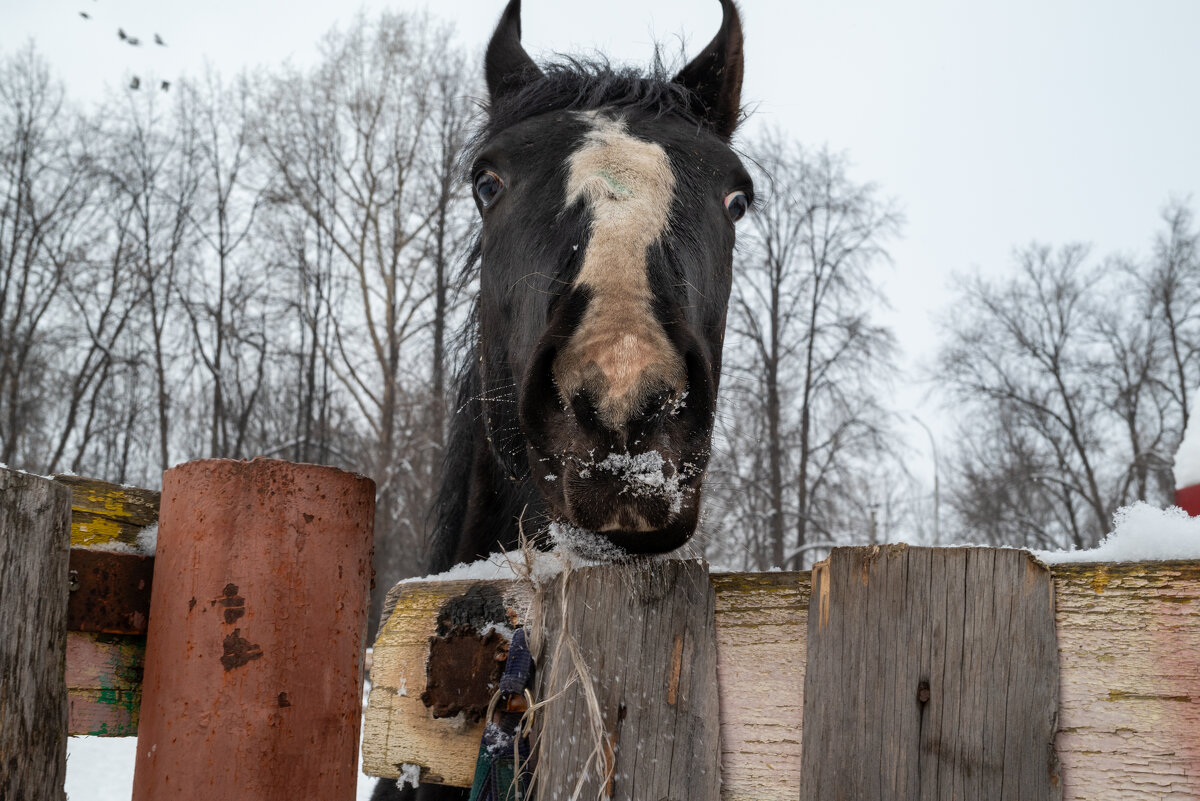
363,150
811,363
153,163
44,203
225,299
1172,283
1073,379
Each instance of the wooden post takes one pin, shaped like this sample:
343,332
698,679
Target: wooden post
629,659
35,516
109,606
932,674
254,658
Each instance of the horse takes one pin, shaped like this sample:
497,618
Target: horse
607,200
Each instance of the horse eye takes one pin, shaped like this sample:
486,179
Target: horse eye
488,187
736,204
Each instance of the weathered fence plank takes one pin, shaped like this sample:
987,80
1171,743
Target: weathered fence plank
932,674
640,644
760,621
34,518
397,720
1129,652
1129,645
109,605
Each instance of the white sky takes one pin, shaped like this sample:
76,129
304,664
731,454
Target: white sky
991,123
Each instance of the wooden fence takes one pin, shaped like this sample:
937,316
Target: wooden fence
920,673
1120,691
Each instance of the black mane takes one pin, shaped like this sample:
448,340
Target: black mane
574,84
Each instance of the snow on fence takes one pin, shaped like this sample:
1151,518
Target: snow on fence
939,673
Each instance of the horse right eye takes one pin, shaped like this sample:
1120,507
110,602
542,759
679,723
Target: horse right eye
488,187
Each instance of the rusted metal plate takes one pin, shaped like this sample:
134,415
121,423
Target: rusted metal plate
464,671
466,654
110,592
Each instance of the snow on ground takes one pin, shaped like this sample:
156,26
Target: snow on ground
101,769
1141,532
1187,458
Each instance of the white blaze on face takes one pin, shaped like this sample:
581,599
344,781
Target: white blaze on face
619,346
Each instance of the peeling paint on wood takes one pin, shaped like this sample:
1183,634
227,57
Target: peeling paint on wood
104,683
133,505
399,727
104,671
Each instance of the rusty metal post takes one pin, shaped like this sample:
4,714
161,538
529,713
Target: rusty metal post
258,616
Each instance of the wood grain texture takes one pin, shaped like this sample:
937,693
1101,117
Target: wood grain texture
1129,649
34,518
104,683
932,674
626,720
761,622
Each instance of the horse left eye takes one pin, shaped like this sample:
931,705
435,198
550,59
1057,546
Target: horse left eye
736,204
488,187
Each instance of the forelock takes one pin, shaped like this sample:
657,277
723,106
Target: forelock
586,85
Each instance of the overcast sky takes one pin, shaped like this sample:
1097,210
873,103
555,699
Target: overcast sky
992,124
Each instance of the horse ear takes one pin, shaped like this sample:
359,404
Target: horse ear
507,66
715,76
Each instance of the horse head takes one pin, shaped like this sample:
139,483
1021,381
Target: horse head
608,201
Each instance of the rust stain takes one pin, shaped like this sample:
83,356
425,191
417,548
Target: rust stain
1101,579
239,651
676,669
234,604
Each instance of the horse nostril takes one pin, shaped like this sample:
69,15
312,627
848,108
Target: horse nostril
656,406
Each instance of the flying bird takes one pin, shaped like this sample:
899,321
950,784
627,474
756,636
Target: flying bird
135,83
85,15
166,85
121,33
158,40
136,42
